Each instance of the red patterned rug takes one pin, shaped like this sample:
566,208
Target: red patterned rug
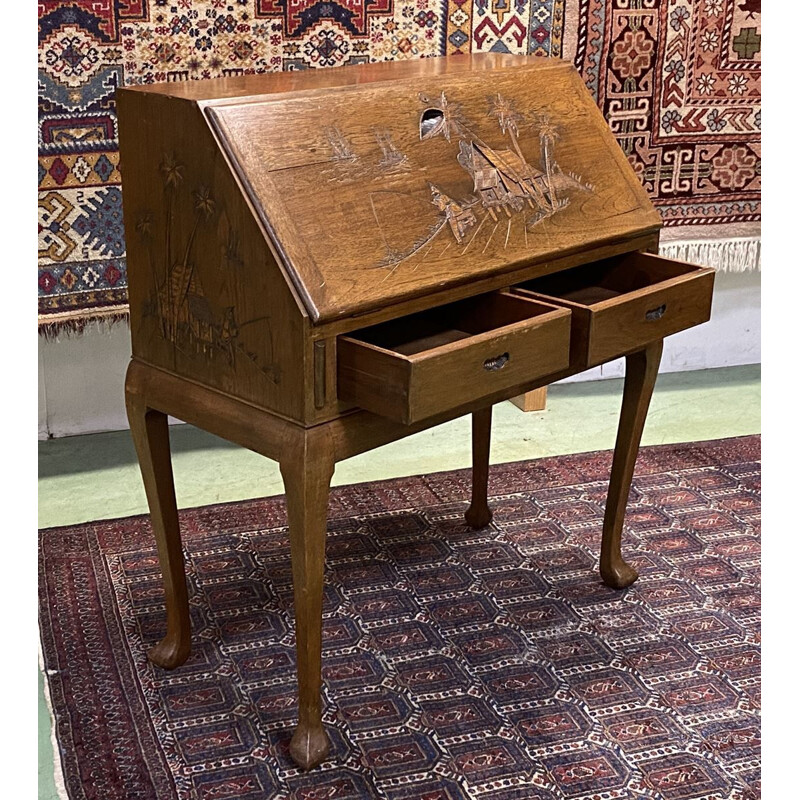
679,83
458,663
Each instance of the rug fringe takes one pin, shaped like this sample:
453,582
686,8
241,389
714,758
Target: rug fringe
727,255
53,327
58,772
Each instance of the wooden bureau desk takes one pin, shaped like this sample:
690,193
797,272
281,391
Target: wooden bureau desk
324,262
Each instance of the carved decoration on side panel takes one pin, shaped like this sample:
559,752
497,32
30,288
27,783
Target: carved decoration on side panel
197,324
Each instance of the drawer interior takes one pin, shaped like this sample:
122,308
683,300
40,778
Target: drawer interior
438,327
605,280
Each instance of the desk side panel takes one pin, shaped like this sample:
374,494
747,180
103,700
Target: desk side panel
208,299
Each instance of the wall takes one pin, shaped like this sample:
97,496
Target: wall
81,377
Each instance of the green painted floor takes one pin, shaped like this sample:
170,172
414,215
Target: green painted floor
85,478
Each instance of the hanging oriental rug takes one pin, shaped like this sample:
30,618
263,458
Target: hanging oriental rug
488,664
678,82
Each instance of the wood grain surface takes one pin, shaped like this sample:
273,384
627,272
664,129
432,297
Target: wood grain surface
477,347
381,192
623,304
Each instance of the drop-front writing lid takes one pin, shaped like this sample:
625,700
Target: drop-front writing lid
379,192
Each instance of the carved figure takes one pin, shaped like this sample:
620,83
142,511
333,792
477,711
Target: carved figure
459,218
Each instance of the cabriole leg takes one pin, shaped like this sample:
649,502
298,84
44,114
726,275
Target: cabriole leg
479,515
641,369
151,438
307,471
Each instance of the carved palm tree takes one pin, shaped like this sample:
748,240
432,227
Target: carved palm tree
508,118
548,136
172,175
204,206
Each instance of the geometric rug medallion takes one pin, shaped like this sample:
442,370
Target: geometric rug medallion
457,663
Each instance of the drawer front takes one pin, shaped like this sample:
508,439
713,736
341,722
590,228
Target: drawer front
677,296
629,324
452,372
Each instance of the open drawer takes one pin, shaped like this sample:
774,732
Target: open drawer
417,366
621,304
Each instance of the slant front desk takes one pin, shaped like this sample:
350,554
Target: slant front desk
323,262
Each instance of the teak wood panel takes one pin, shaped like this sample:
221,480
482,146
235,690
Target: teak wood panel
410,370
376,194
621,305
208,298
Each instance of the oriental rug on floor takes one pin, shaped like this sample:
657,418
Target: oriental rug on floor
457,663
678,82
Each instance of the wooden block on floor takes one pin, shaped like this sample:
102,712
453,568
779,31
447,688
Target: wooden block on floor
535,400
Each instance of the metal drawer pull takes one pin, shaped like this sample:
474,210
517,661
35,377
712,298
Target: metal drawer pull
496,363
656,313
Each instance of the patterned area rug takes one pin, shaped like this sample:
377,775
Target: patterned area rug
679,83
458,663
